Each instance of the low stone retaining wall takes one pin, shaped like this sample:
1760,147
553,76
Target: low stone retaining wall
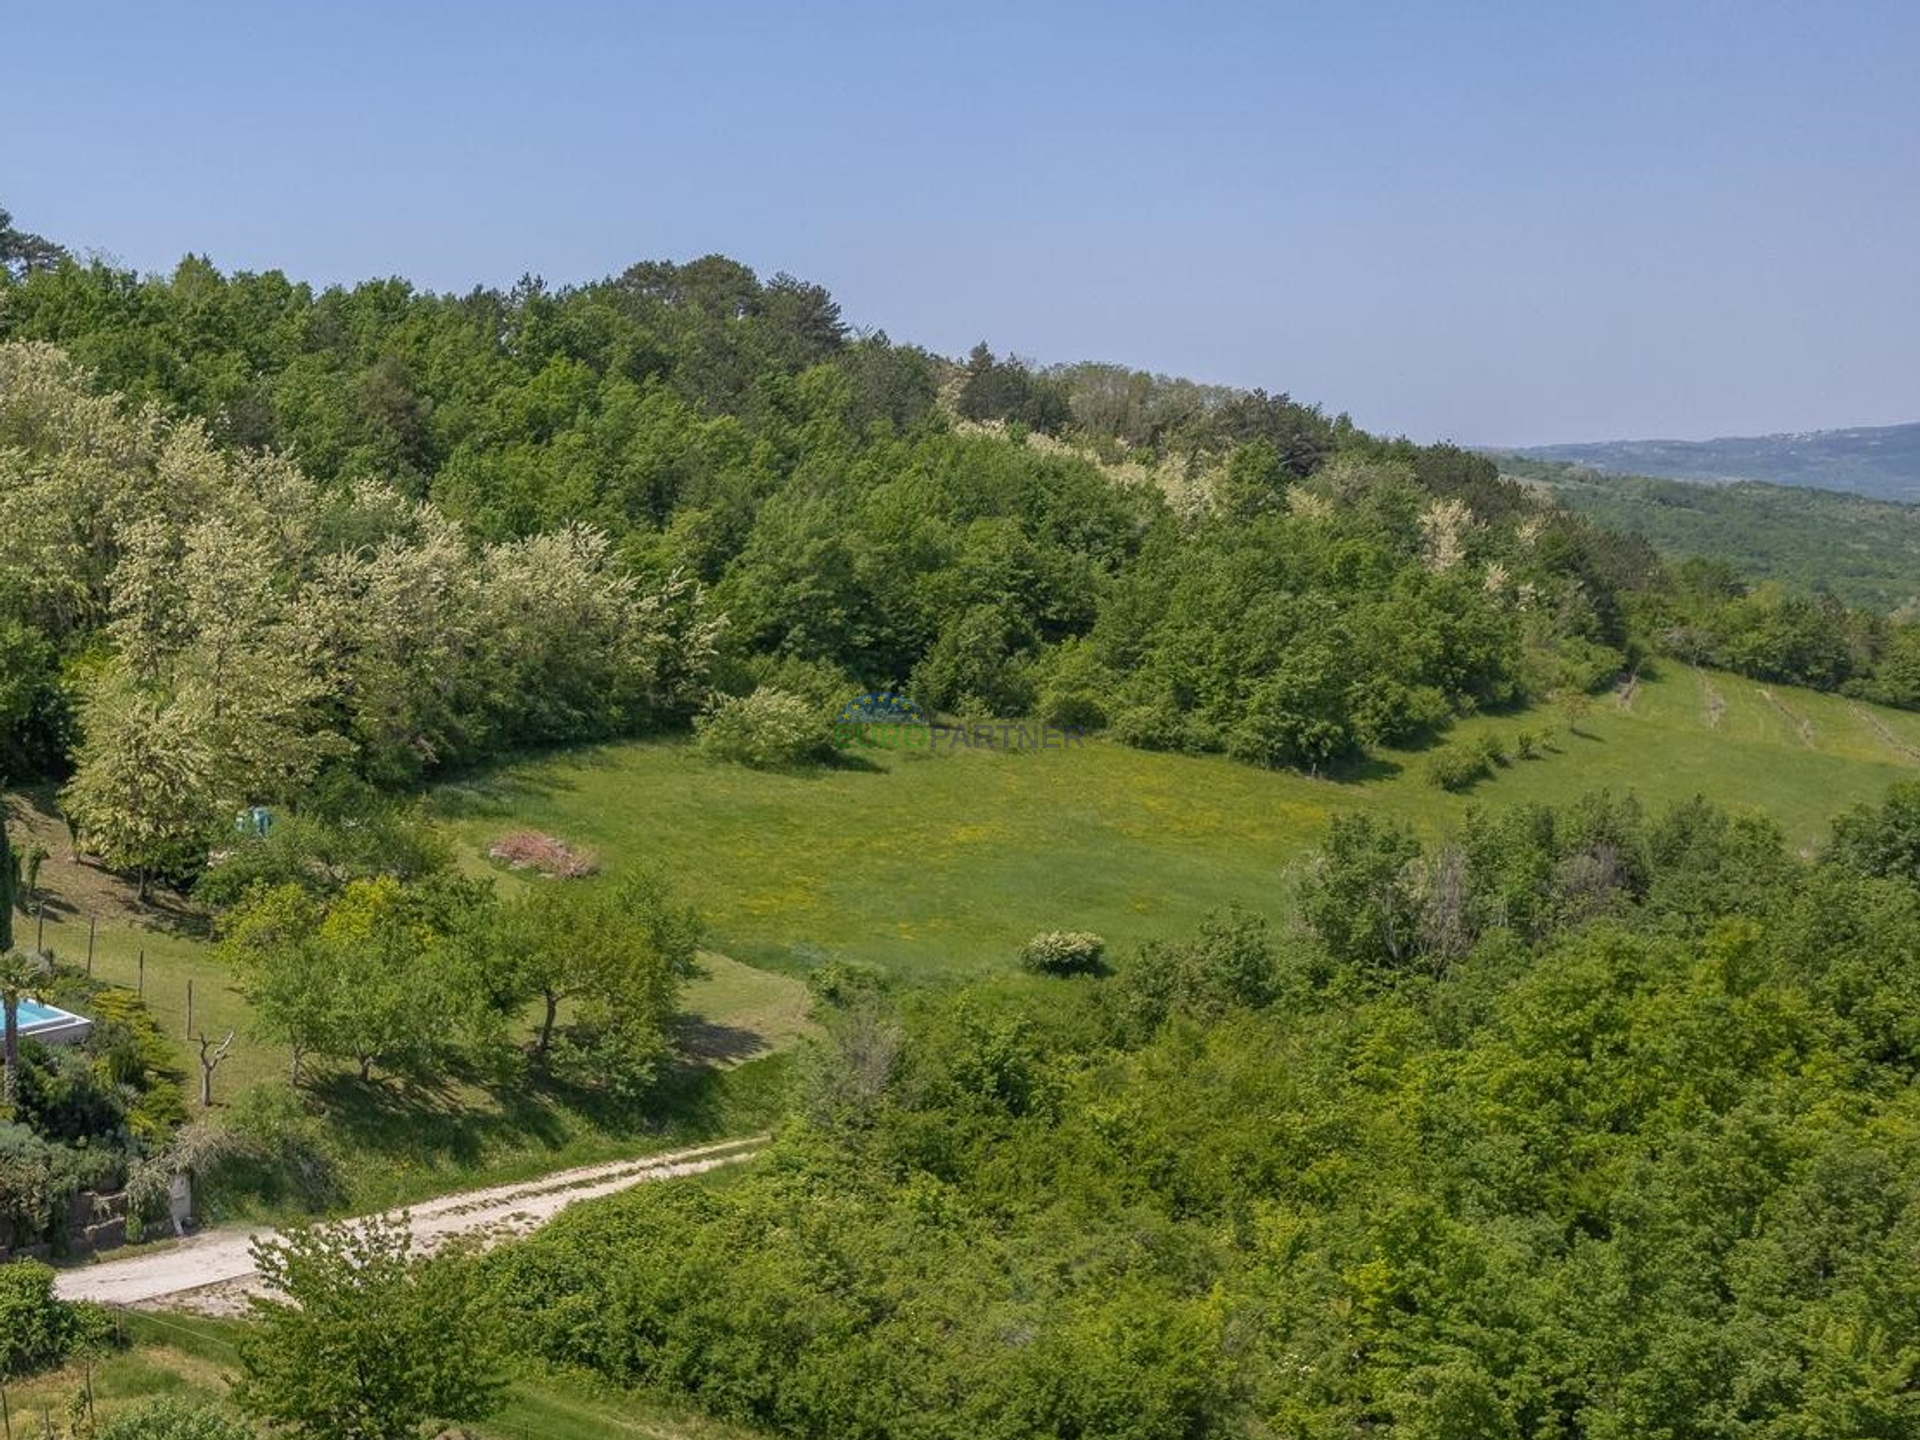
94,1222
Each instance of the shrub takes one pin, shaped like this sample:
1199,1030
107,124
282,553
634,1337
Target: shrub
35,1327
173,1419
822,684
1387,712
1155,726
1064,952
64,1098
844,982
1456,770
1073,686
26,1183
1231,963
1072,710
1527,745
768,729
1491,751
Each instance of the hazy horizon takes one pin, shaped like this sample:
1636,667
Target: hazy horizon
1496,225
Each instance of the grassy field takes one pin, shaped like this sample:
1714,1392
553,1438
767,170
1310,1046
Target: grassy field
942,864
935,867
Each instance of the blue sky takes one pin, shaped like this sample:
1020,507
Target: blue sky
1490,222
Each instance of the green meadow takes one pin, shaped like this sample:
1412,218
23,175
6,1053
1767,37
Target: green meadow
940,863
936,866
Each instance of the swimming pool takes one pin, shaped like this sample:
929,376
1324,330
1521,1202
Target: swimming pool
51,1025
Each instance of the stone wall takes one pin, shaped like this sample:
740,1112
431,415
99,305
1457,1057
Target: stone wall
94,1222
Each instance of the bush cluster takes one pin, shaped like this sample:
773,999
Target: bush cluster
1457,767
1064,952
37,1329
767,729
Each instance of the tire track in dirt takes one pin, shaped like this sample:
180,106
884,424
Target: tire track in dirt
1798,721
1879,727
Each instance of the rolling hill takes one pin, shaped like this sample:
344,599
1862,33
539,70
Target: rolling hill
1881,461
1865,551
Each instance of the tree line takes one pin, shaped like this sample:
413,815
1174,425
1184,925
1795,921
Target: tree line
192,630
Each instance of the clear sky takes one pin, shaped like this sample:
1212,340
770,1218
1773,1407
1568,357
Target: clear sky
1498,223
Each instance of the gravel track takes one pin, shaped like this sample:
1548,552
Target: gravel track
212,1272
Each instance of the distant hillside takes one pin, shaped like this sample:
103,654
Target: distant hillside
1883,461
1865,551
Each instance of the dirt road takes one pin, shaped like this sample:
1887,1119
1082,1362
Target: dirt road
212,1272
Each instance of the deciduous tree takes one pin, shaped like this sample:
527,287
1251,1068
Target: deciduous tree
362,1338
619,951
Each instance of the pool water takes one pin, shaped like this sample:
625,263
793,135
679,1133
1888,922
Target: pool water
32,1012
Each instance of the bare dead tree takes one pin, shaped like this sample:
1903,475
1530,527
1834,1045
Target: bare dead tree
210,1057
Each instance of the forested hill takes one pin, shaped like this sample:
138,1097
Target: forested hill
1882,461
848,513
1865,551
414,531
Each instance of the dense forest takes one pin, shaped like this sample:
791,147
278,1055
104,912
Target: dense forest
1585,1122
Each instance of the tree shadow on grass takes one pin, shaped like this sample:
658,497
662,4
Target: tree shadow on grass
702,1040
710,1102
173,914
1361,771
459,1122
493,796
55,909
435,1120
852,760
